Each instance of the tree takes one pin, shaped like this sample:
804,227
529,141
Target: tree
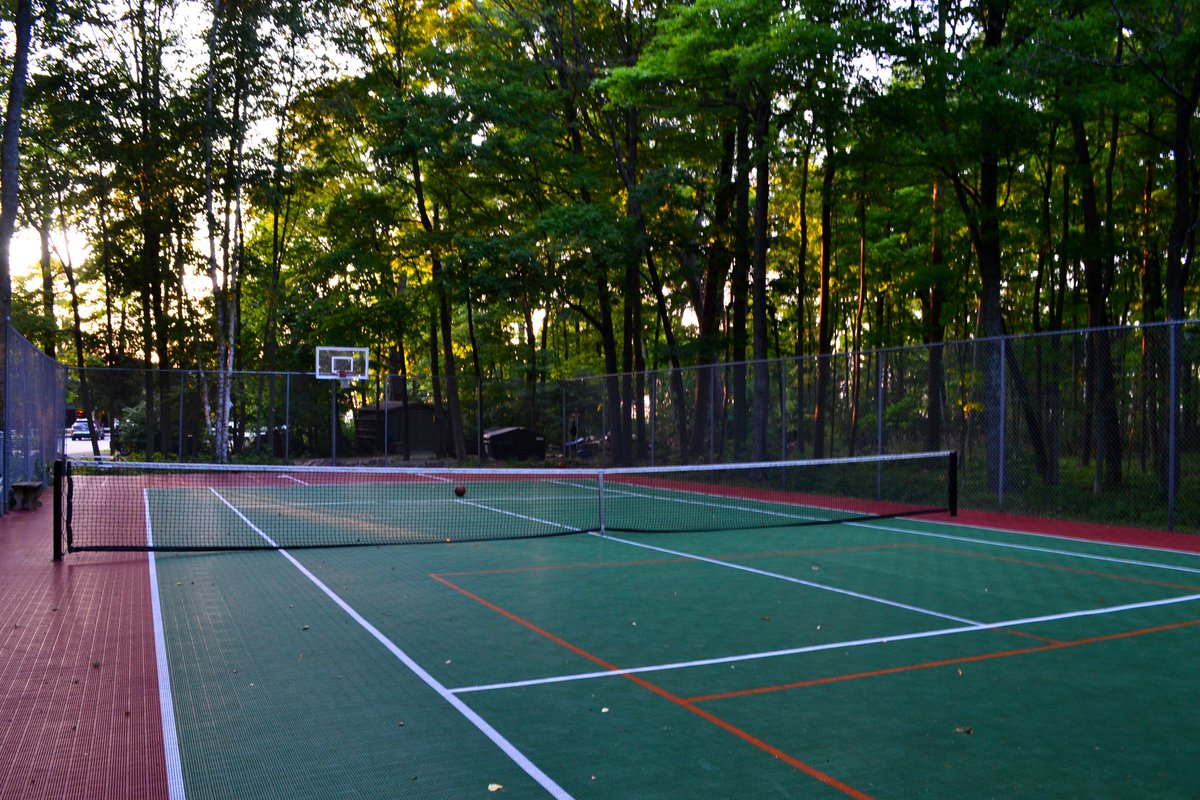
9,186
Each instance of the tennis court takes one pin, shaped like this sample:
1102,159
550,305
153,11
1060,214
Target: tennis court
876,655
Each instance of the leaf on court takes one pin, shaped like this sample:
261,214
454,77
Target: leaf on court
964,729
495,787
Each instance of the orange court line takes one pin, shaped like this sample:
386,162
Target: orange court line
745,736
1028,635
555,567
948,662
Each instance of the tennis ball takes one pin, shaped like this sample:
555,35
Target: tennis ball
460,490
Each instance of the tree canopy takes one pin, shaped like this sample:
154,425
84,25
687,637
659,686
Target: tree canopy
534,189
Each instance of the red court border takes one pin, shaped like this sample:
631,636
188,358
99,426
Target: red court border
79,704
1072,529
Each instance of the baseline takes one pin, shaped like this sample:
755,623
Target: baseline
1130,562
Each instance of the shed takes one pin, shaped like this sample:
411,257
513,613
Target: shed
417,421
514,443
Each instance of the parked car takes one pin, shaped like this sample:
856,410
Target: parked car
79,430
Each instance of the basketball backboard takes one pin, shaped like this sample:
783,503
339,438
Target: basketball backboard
342,363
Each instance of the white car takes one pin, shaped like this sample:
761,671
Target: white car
80,430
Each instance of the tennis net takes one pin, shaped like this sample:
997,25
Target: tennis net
144,506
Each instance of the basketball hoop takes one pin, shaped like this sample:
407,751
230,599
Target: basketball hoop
343,364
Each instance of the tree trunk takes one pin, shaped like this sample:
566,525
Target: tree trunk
9,181
218,279
740,288
676,377
932,299
1102,399
825,314
856,333
762,195
708,294
801,293
453,405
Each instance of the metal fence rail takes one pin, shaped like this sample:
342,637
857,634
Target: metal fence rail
1092,423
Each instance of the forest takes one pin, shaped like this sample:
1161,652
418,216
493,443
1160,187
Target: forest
523,191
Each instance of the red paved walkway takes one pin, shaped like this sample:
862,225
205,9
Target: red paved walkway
79,712
1091,531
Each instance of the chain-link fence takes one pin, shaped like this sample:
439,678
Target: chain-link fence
1099,424
35,413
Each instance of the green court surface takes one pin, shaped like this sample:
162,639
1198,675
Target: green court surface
879,659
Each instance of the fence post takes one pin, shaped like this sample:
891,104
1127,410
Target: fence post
782,409
653,417
287,417
179,450
5,413
712,413
879,421
1001,342
386,409
1172,422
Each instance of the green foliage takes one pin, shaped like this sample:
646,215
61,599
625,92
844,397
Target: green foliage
577,172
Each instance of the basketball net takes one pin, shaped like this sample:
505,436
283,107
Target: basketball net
343,380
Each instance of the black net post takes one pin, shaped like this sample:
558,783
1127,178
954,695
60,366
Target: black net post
57,547
952,482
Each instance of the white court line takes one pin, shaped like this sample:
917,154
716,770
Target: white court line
1061,537
767,512
166,703
297,480
902,637
1035,549
790,579
970,626
519,758
524,517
